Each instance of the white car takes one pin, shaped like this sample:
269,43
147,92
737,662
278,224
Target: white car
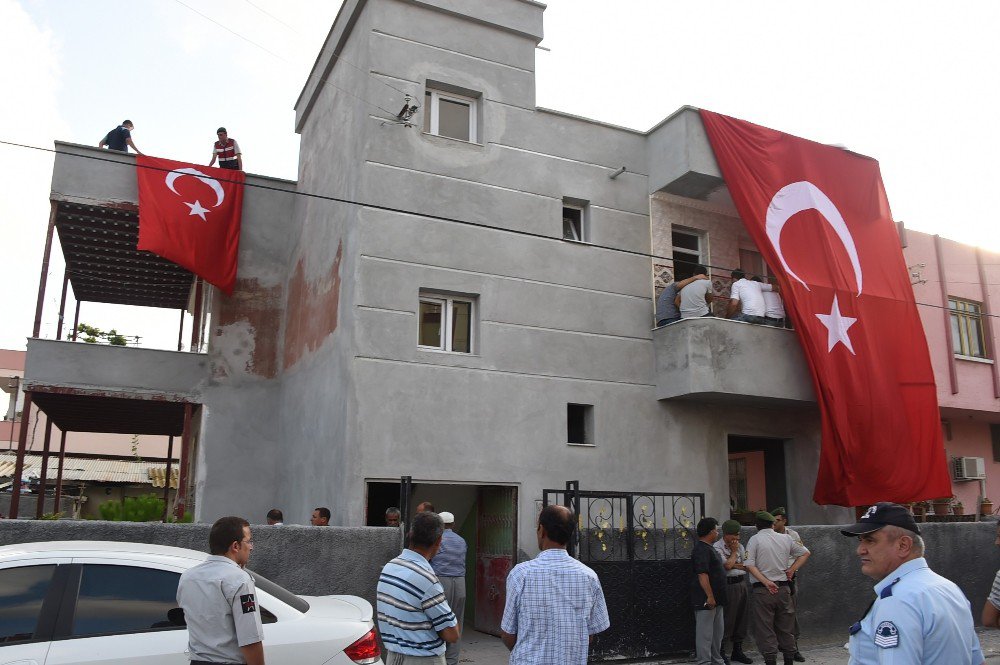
82,602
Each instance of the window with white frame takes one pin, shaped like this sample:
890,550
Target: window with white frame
446,322
451,115
967,328
575,222
688,251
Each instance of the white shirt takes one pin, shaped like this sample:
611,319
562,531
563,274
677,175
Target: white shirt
220,607
751,296
693,298
773,307
770,552
725,552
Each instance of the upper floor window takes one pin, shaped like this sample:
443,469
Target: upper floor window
445,322
452,115
575,222
752,263
688,251
967,328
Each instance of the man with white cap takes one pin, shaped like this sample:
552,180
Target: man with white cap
449,566
917,616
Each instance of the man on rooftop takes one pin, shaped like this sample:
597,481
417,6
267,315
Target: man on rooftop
227,151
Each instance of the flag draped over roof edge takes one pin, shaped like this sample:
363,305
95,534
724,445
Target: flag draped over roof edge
190,215
821,219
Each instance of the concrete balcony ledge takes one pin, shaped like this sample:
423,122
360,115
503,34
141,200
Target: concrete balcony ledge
114,371
718,360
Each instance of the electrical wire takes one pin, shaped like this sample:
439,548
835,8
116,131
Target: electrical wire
413,213
286,61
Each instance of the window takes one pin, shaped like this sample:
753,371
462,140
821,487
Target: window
687,251
22,591
738,483
445,322
574,215
752,263
451,115
580,424
967,328
124,599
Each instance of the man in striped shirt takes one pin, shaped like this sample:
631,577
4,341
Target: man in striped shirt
413,615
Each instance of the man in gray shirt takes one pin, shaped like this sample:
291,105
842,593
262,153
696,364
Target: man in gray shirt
666,310
694,298
223,627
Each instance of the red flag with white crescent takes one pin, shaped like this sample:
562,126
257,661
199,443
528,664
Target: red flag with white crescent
190,215
821,219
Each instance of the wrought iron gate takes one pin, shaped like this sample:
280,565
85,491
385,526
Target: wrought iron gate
639,544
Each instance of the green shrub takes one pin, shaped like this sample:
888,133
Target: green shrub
146,508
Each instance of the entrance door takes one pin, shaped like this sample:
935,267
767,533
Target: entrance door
756,473
496,542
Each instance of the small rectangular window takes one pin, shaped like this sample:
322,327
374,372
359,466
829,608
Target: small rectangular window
967,328
688,251
574,216
445,322
451,115
580,423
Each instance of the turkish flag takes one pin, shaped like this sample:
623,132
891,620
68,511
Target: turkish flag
190,215
821,219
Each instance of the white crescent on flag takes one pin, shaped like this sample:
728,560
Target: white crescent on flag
211,182
796,197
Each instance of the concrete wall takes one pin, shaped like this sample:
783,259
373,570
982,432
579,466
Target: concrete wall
833,593
305,560
730,362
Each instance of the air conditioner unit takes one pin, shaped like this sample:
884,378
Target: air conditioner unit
970,468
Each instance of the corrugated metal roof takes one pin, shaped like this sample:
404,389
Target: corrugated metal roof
92,469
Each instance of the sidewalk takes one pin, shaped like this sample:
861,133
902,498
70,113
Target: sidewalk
482,649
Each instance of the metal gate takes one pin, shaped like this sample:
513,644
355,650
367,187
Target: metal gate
639,544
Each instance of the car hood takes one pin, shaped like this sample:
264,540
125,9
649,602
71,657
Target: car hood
349,608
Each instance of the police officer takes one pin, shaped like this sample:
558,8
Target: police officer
917,616
223,627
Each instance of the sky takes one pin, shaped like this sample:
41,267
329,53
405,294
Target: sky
911,83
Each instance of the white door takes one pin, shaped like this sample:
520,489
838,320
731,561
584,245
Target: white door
121,617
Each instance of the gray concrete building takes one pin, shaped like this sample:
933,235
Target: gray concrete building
481,319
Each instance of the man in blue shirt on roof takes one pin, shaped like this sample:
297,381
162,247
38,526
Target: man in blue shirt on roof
917,617
414,618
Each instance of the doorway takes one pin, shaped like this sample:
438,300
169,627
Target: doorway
485,517
756,474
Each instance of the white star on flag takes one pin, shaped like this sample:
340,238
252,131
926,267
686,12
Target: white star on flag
836,326
196,209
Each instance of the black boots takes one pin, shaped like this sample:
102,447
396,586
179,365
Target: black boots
738,655
798,657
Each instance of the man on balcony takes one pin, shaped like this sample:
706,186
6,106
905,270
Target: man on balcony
695,298
746,297
666,310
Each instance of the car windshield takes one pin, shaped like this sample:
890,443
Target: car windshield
281,593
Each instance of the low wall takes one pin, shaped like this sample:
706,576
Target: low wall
304,560
832,592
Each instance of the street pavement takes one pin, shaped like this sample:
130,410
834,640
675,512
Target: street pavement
482,649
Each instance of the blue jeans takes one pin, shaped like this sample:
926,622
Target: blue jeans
750,318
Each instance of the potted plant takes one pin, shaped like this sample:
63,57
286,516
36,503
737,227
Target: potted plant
941,505
985,507
919,509
958,508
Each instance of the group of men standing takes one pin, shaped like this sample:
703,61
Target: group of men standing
725,605
554,603
226,150
750,299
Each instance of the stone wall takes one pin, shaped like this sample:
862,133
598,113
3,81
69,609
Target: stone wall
304,560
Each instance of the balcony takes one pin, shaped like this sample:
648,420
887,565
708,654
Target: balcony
97,388
718,360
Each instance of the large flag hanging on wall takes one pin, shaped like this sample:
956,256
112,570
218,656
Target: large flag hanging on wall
821,219
190,215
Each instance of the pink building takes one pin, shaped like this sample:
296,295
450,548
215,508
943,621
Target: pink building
956,286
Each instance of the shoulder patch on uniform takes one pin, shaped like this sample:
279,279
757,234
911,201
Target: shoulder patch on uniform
886,635
250,605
